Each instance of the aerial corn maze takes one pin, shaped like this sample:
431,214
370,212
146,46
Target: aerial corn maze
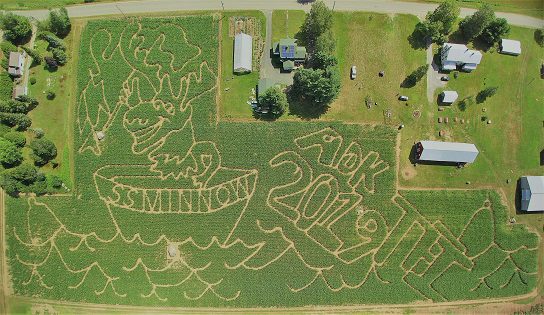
175,208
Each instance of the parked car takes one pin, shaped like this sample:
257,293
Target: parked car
353,72
403,98
445,78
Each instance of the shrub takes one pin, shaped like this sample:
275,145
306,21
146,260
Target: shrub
43,151
17,138
10,154
7,47
60,56
21,121
32,80
6,86
52,40
51,63
539,37
38,132
485,93
50,95
34,54
55,181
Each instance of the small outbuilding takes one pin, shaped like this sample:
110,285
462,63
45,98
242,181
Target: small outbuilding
16,63
510,47
532,193
448,97
243,53
453,56
449,152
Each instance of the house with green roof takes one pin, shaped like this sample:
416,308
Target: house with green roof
289,53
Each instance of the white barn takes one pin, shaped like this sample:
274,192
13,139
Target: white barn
450,152
532,193
457,55
16,63
243,53
510,47
448,97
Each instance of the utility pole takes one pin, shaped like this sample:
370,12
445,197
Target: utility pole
223,6
333,5
120,11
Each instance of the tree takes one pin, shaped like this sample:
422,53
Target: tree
317,87
539,37
60,56
52,40
321,60
55,181
495,31
472,26
275,99
430,31
10,154
17,138
486,93
43,151
17,29
444,16
414,77
59,22
325,43
317,22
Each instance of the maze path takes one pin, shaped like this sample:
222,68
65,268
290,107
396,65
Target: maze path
169,211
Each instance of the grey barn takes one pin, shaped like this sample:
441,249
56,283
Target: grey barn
532,193
450,152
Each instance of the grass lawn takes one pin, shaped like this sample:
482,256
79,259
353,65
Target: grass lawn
527,7
236,90
41,4
53,116
286,23
374,43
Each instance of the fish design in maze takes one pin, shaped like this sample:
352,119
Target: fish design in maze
185,178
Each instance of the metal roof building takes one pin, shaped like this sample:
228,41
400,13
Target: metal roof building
16,63
457,55
243,53
510,47
448,97
532,193
452,152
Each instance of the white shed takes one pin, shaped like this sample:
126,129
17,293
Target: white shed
448,97
532,193
452,152
510,47
243,53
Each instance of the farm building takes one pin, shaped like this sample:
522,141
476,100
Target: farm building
451,152
288,50
510,47
243,53
19,90
16,63
457,55
448,97
532,193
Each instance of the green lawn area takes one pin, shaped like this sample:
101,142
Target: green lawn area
533,8
510,145
53,116
236,89
41,4
286,23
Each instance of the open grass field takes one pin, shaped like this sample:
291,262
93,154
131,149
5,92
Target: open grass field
286,23
176,208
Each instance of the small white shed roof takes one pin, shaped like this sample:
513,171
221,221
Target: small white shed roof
510,47
532,193
243,53
461,54
448,152
449,96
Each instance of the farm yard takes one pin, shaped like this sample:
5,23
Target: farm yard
173,206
